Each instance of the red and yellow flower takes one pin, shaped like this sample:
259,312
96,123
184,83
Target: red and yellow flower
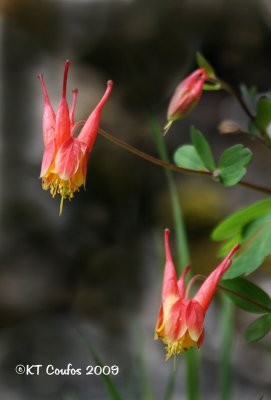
186,96
180,322
64,163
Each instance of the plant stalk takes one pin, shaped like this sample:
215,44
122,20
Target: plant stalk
191,357
172,167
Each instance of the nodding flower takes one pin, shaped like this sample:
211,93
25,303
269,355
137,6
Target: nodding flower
180,322
64,163
185,97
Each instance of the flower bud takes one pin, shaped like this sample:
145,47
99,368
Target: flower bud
185,97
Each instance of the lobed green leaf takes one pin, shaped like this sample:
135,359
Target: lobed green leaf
187,157
230,176
234,156
232,163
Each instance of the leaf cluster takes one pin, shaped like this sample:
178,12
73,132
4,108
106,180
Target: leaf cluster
198,156
250,226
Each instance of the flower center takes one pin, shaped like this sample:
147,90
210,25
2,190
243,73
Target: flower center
65,188
179,346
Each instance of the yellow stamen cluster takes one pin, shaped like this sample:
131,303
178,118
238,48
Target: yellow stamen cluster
179,346
65,188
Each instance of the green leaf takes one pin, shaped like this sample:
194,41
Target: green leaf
258,329
203,63
251,227
187,157
227,246
234,224
235,155
230,176
203,149
232,163
255,246
252,298
263,114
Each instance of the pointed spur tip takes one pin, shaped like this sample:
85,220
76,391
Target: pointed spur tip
234,249
167,246
109,86
167,232
65,77
43,86
41,79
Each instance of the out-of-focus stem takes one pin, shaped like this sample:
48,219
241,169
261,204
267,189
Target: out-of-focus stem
182,245
191,357
226,343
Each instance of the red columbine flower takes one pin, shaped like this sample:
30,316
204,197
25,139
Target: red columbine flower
185,97
180,319
64,163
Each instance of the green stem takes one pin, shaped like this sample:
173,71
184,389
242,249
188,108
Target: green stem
173,167
148,157
179,228
191,357
230,89
145,382
226,342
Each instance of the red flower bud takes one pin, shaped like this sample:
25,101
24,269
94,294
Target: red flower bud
185,97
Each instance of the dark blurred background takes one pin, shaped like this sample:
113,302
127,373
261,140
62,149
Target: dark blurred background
93,276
